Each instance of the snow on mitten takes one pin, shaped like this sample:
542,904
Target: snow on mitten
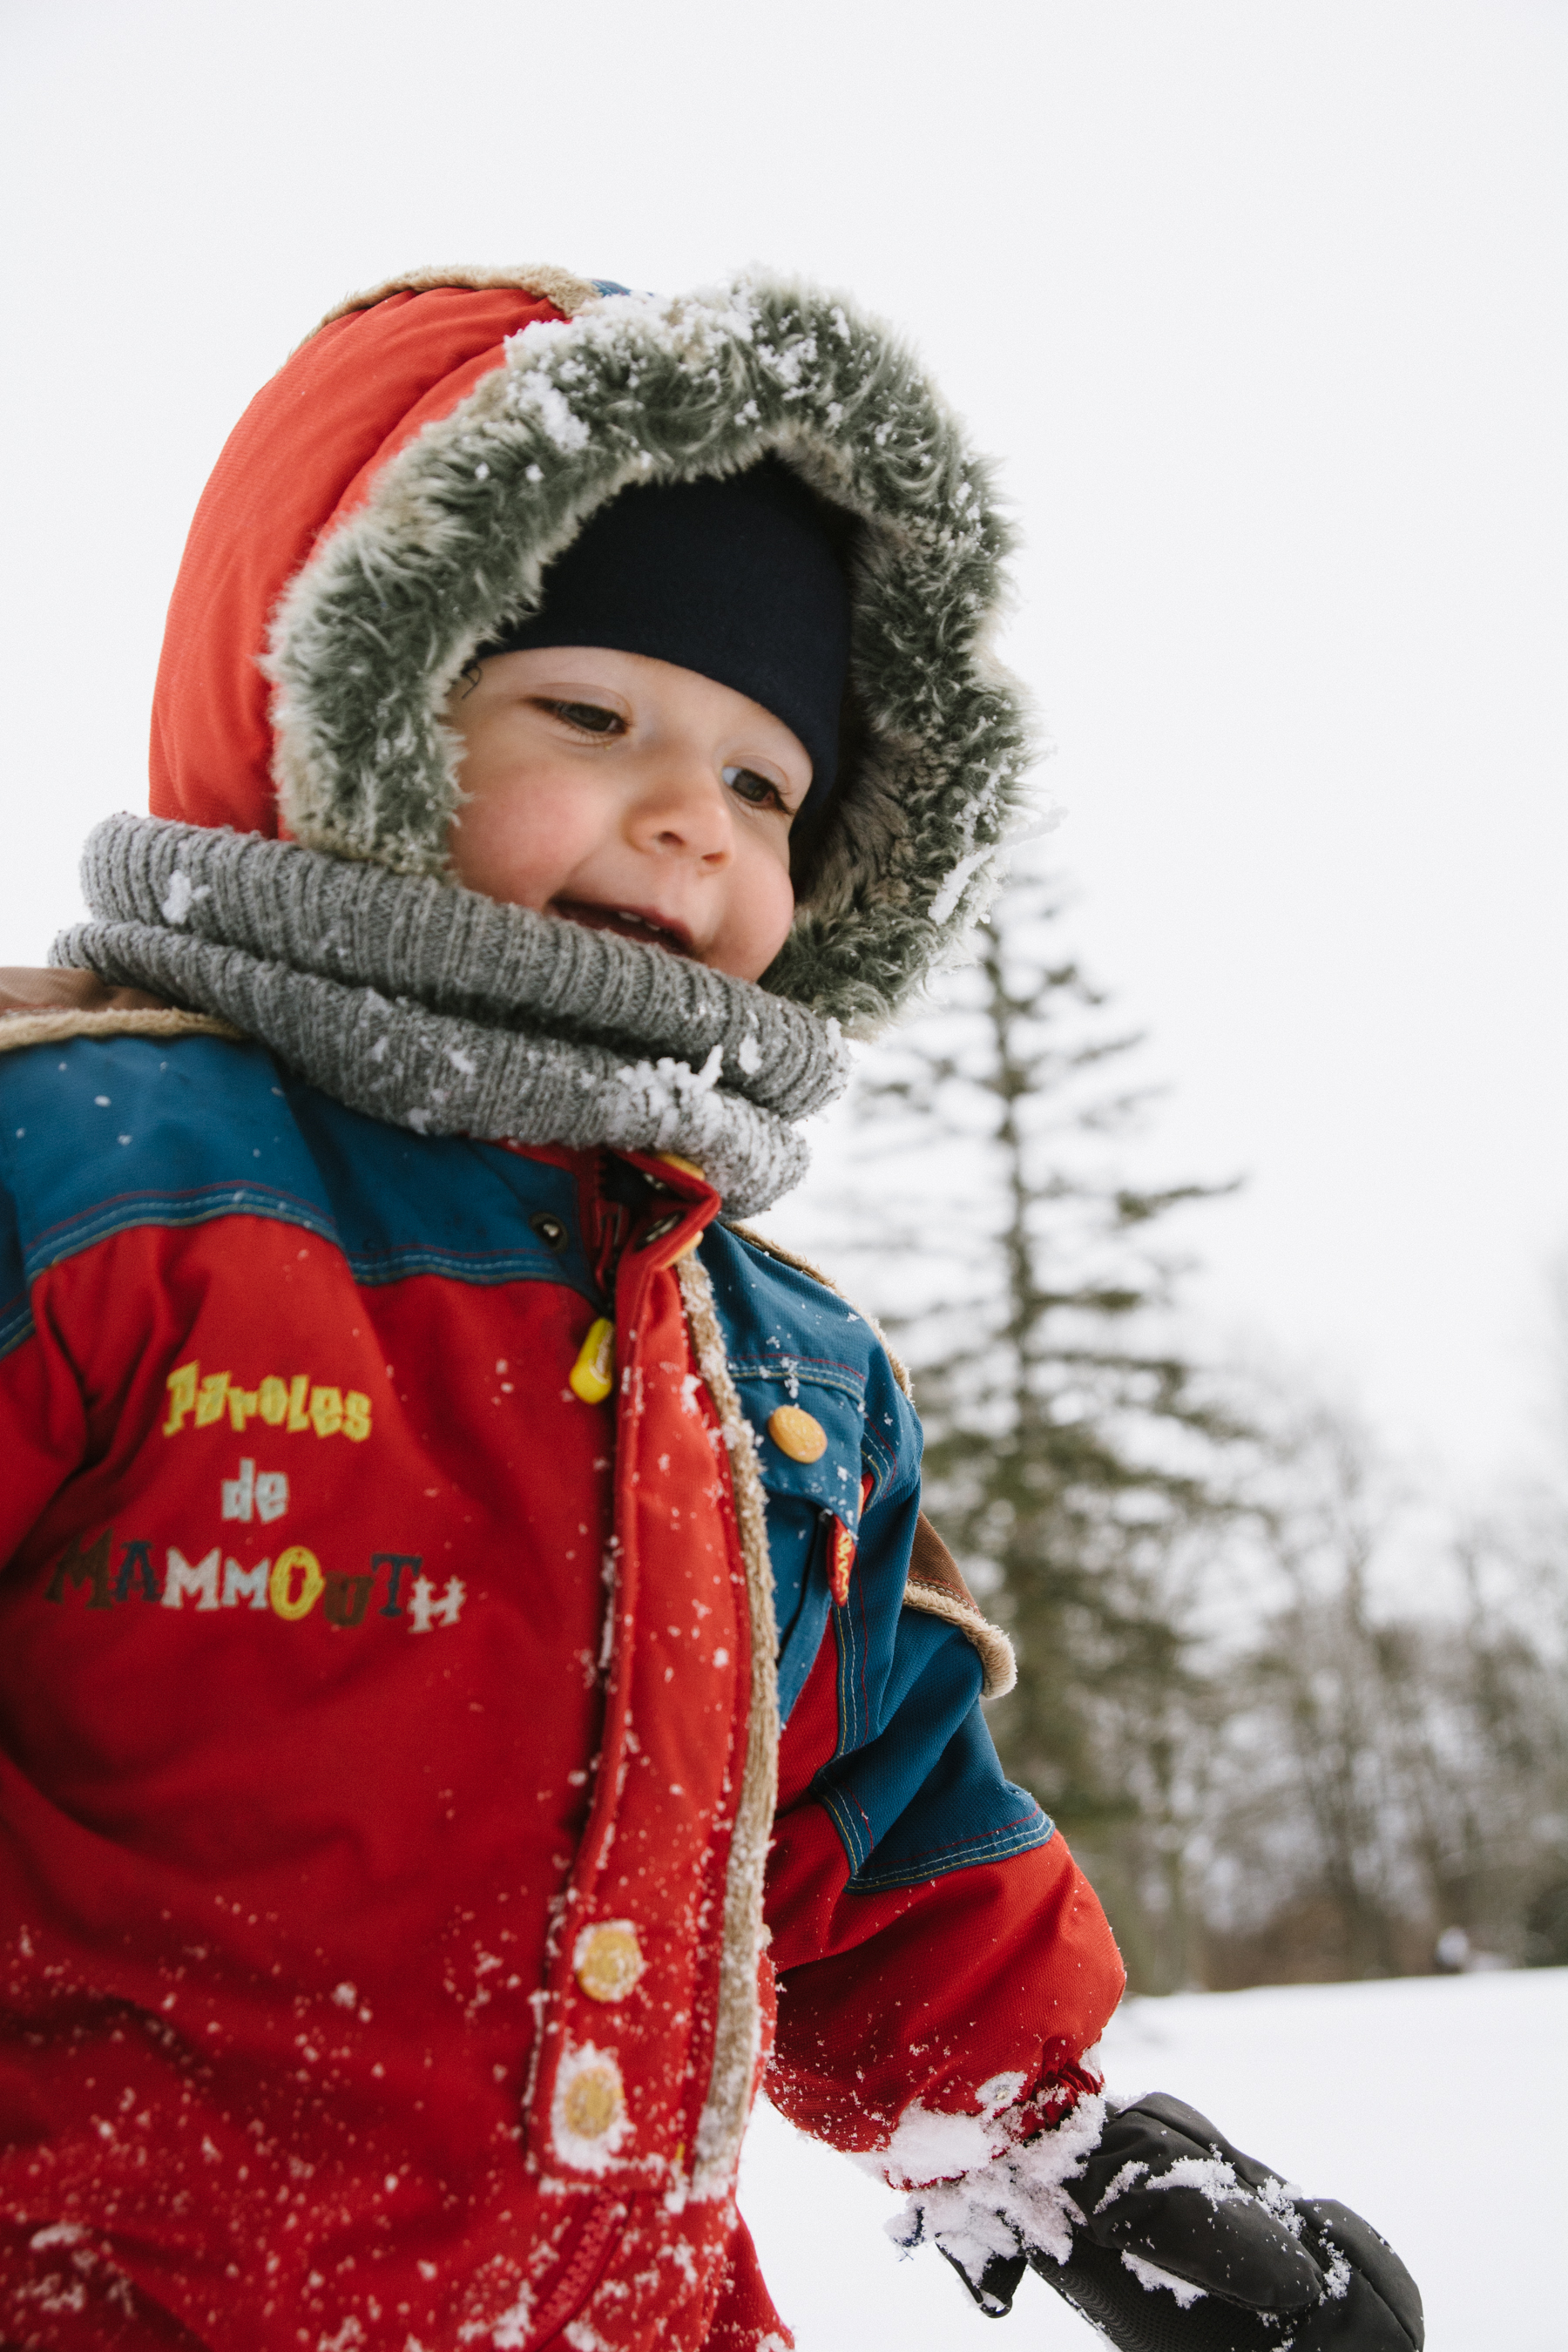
1170,2240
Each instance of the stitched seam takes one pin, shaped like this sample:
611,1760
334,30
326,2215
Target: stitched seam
848,1714
371,1269
233,1188
836,1806
1021,1842
848,1681
823,1369
1015,1828
70,1237
15,1328
885,1462
378,1272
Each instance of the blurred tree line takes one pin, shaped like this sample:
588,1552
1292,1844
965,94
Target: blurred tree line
1270,1772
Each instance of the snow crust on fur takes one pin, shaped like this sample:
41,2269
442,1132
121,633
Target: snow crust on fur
460,526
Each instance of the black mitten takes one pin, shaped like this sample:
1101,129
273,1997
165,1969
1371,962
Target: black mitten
1169,2206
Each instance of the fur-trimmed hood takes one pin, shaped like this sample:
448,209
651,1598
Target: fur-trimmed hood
400,485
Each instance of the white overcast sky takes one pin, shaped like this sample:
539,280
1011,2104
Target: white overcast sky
1260,303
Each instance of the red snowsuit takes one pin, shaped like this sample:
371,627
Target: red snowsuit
374,1970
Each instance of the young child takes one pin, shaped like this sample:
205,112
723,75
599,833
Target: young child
468,1635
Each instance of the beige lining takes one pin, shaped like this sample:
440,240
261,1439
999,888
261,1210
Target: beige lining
737,2036
19,1029
569,292
998,1665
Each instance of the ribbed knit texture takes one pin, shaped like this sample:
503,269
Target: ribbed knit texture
436,1009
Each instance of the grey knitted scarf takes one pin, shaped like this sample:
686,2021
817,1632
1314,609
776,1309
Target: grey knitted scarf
427,1005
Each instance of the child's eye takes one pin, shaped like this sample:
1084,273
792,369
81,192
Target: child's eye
758,792
589,718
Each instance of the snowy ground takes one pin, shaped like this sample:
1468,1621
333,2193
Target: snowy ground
1434,2105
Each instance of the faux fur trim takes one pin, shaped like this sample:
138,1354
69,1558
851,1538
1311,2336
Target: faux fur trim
999,1665
569,292
737,2040
460,526
19,1029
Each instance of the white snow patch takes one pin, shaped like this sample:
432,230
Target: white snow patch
553,410
1150,2275
957,882
1016,2199
588,2155
928,2144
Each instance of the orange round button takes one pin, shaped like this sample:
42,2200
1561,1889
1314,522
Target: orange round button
592,2101
799,1434
608,1959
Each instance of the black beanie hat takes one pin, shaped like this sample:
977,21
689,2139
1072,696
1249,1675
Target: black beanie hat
737,578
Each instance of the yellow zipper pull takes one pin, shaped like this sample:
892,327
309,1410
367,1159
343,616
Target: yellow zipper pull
594,1373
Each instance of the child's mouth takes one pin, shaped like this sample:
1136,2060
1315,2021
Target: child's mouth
627,921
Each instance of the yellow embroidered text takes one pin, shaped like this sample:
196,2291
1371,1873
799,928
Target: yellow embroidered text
200,1399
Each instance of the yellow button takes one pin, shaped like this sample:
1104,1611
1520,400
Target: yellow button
592,1376
798,1433
591,2105
608,1959
686,1167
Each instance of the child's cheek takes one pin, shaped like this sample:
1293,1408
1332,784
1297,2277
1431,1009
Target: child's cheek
760,911
519,836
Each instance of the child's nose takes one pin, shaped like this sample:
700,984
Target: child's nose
683,807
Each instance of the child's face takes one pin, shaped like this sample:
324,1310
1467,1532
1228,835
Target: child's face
631,796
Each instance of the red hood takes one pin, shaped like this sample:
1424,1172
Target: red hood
403,484
301,459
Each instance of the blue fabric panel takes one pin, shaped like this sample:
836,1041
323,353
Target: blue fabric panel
797,1544
100,1135
867,1628
15,1309
926,1794
771,1314
916,1789
790,1340
407,1204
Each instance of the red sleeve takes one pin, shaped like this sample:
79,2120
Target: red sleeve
43,1433
930,1993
